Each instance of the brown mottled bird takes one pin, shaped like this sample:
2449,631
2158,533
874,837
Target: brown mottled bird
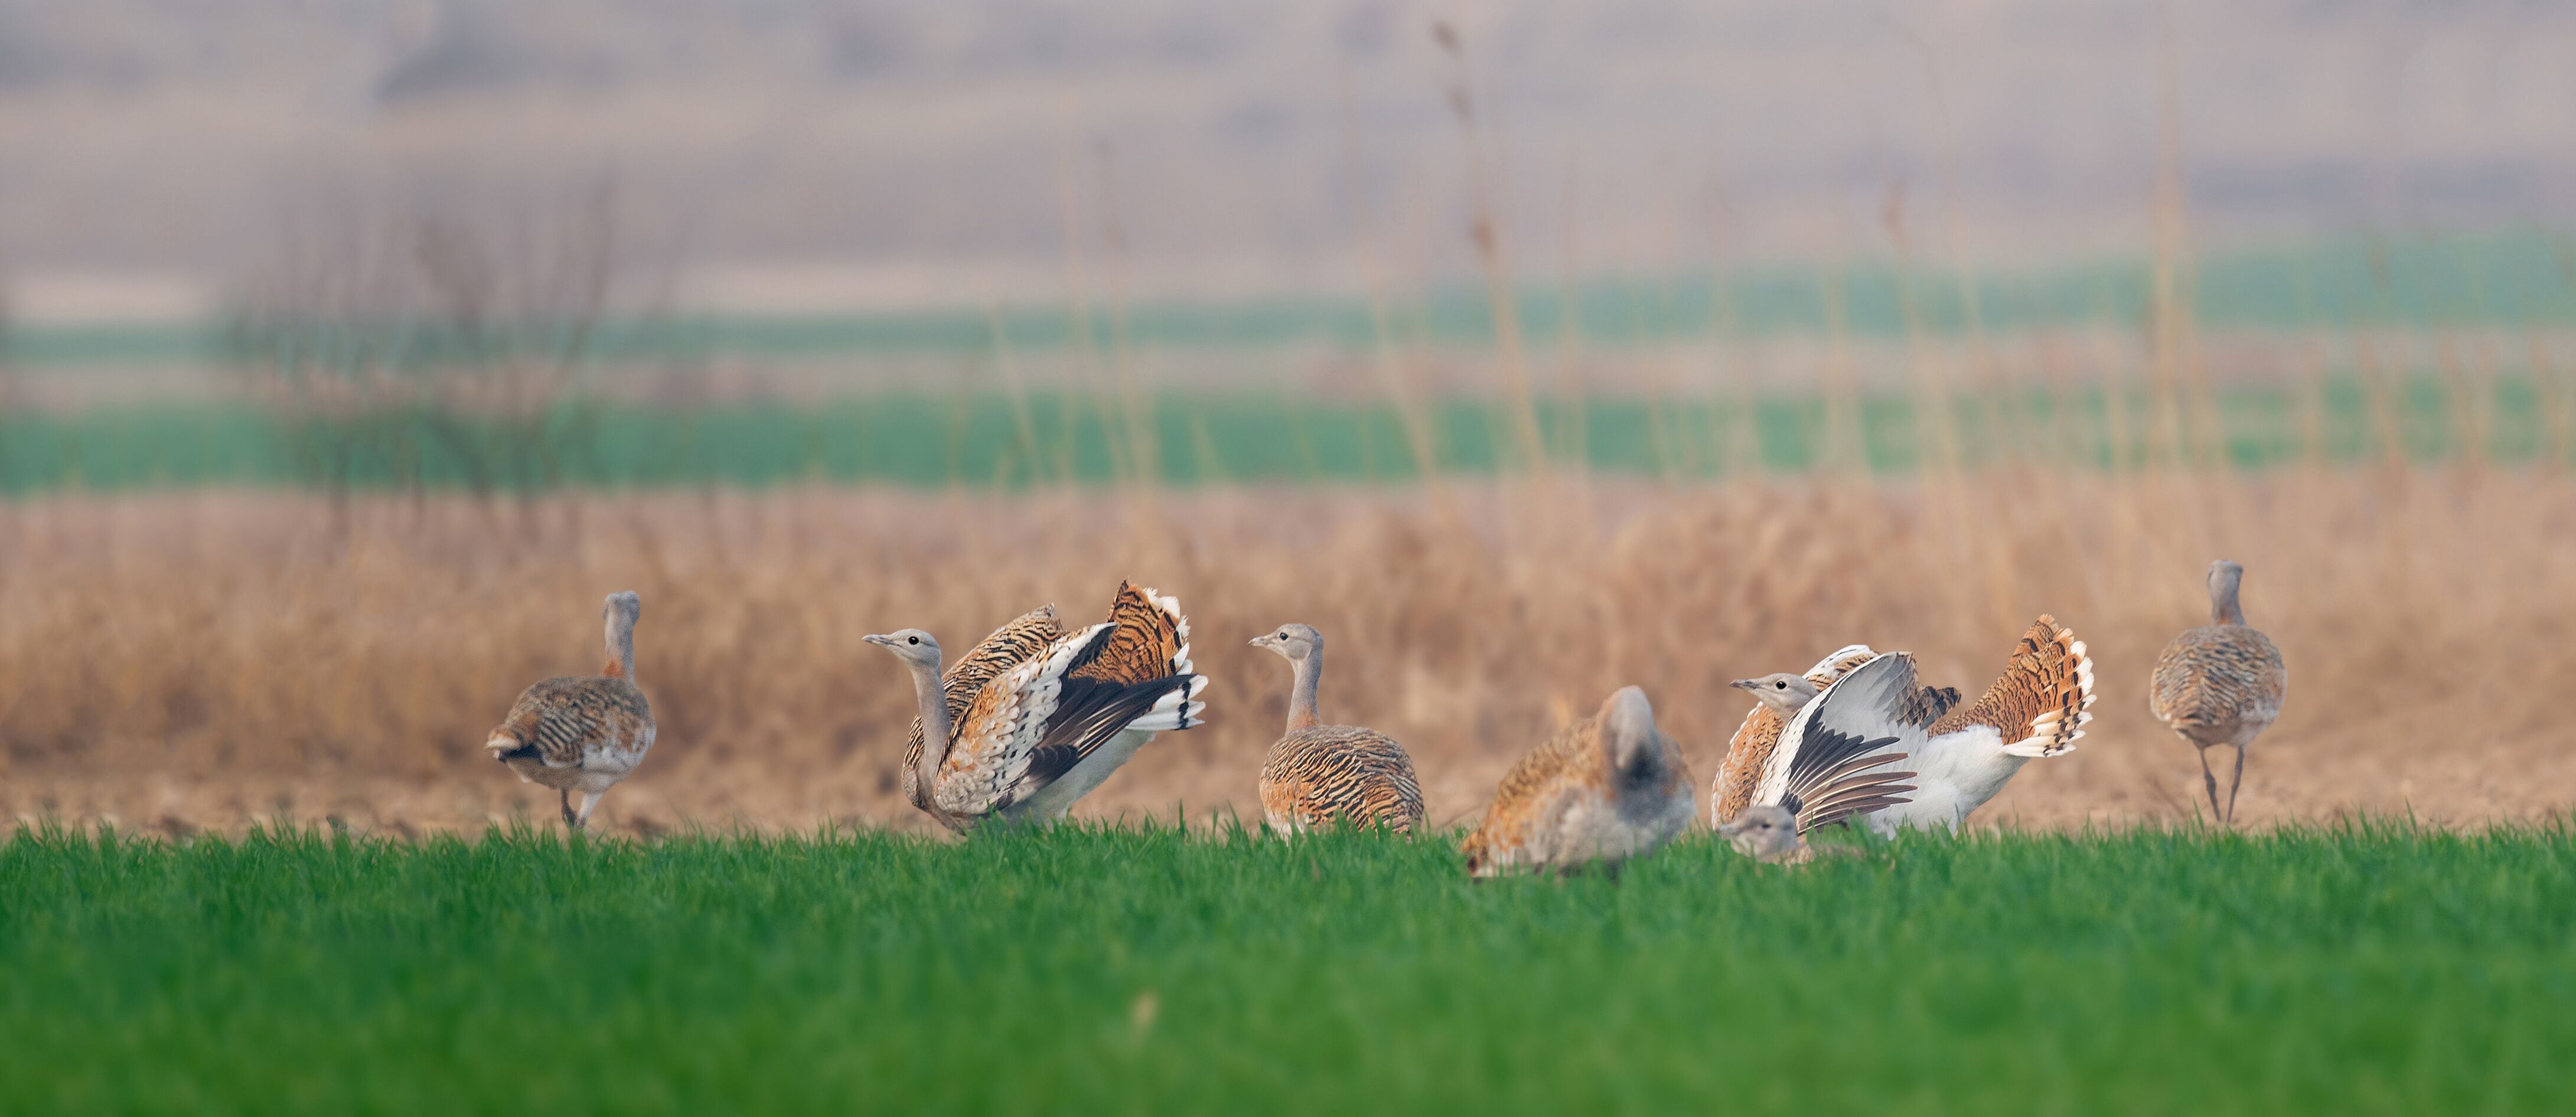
1960,756
2220,684
582,734
1319,774
1769,833
1605,789
1035,717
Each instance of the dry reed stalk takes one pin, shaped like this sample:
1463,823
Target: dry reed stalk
207,659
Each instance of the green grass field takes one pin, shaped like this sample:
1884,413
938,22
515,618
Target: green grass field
2359,970
991,440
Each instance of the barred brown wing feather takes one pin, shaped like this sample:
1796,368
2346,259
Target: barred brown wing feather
2041,702
1148,640
1321,773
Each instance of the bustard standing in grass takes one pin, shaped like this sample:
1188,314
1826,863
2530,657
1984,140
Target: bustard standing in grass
1319,773
1605,789
582,734
2220,684
1035,717
1777,698
1770,834
1959,756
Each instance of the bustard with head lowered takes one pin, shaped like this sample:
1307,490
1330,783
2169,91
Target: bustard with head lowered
1769,833
582,734
1318,774
1958,756
1603,790
1034,717
2221,683
1776,699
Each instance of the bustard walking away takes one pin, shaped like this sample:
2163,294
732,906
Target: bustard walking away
582,734
1035,717
1777,698
1607,788
1960,756
2220,684
1319,773
1770,834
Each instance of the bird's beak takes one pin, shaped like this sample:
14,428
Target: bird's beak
880,640
1746,684
1730,829
1256,641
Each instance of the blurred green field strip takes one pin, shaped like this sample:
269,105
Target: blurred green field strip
2513,281
2353,970
992,441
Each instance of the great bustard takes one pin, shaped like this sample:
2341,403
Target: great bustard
1318,773
1959,756
1605,789
582,734
2220,684
1769,833
1777,698
1035,717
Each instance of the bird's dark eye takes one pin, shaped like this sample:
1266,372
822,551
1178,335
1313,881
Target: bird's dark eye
912,639
1780,686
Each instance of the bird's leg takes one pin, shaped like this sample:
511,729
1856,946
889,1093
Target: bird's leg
564,798
2234,783
2210,780
588,800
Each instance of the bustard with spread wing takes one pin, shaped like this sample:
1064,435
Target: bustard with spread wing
1603,790
582,734
1034,717
1318,774
2221,683
1958,757
1776,699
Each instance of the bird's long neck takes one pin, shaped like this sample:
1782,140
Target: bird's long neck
934,726
621,643
1301,697
2223,607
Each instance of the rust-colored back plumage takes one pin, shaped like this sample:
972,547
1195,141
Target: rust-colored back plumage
1324,774
2214,684
1144,641
2042,697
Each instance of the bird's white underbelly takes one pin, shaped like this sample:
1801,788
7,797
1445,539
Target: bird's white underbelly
1053,800
602,766
1955,774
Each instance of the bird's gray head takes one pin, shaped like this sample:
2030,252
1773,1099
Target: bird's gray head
623,603
1782,691
1762,832
2224,579
1294,642
914,647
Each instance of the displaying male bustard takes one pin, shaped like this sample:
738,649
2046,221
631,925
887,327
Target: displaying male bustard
1957,757
1605,789
582,734
1317,774
2220,684
1777,698
1035,717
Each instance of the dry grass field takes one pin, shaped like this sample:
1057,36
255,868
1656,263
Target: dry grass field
208,661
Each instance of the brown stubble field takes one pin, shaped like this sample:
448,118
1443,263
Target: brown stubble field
209,661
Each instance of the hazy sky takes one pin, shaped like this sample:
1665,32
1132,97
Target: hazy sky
960,149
